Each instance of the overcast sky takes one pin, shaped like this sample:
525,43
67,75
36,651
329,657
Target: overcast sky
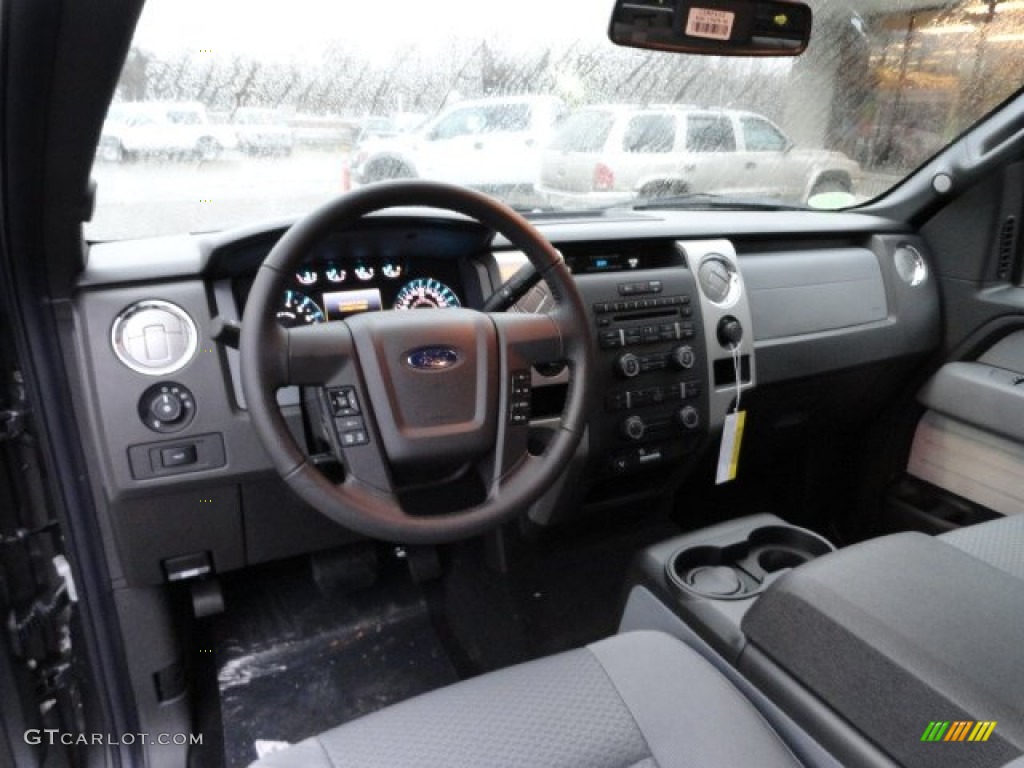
304,28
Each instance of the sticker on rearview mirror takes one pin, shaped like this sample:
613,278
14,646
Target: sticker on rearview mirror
712,24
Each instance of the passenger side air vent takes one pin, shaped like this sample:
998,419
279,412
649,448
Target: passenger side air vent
1007,241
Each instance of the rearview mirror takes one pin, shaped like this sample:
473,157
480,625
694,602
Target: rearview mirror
715,27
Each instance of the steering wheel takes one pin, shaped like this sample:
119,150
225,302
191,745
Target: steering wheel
409,398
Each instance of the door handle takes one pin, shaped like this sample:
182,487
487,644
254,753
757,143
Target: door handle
478,145
751,165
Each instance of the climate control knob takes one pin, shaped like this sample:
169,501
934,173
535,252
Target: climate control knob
682,357
633,428
688,417
628,365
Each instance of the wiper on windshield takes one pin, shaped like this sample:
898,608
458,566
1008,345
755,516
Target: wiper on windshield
709,200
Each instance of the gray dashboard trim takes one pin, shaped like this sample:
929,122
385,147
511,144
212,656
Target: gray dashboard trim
150,259
722,397
909,326
189,255
814,290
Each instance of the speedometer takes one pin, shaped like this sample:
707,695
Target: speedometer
299,309
426,293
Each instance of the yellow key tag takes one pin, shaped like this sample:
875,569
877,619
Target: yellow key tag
729,455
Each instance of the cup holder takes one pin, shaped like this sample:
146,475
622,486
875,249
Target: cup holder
772,560
740,570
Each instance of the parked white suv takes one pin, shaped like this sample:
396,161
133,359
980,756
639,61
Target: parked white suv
166,129
613,154
491,144
262,131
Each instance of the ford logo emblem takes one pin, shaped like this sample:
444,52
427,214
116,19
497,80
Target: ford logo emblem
432,358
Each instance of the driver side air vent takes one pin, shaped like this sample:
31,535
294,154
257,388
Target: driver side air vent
1007,241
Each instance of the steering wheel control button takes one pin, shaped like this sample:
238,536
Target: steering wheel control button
167,407
350,423
154,337
344,402
357,437
178,456
519,401
348,419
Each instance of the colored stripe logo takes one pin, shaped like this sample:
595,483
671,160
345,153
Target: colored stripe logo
958,730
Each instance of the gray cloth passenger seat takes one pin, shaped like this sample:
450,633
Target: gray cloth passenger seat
636,700
1000,543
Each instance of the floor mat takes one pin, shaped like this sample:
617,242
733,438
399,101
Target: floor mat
292,663
558,595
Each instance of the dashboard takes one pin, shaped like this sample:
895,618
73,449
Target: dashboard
689,312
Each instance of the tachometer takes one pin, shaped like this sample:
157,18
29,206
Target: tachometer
299,309
426,293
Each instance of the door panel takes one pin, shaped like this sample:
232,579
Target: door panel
968,446
969,462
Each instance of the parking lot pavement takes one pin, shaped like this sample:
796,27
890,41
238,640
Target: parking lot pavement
157,197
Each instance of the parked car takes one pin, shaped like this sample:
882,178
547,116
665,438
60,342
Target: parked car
167,129
262,131
613,154
490,143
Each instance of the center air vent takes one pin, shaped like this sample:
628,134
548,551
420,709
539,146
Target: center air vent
719,280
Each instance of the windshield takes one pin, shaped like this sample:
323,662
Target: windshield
234,111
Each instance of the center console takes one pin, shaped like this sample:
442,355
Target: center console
673,330
710,578
883,653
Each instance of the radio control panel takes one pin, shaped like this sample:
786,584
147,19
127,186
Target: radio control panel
652,367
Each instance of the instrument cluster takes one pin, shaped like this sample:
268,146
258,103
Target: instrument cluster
330,289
